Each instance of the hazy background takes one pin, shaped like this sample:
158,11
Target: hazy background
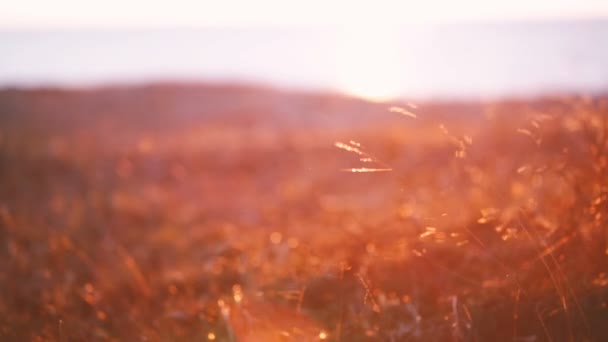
376,50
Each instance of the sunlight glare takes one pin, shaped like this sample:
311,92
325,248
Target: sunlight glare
368,63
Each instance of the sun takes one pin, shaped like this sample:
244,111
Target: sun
368,63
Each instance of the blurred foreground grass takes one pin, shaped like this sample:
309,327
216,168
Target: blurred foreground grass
183,213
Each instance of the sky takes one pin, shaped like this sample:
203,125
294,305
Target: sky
42,14
358,47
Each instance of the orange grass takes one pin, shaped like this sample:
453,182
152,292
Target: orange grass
182,213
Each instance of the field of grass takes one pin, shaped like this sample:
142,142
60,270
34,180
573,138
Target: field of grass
229,213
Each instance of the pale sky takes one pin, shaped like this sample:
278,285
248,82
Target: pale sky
40,14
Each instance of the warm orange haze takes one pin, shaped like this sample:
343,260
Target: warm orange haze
441,182
173,212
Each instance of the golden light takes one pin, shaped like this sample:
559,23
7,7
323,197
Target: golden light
276,237
237,293
368,63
